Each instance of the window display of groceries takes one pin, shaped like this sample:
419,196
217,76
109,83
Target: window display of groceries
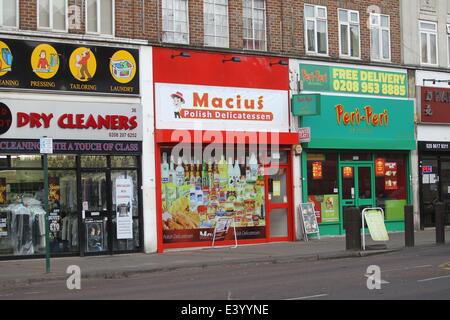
196,193
122,68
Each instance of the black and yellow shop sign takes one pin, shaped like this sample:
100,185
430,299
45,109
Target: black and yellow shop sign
68,67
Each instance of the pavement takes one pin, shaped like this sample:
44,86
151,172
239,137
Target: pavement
29,271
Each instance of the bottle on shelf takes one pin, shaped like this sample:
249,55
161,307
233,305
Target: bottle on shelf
172,173
205,182
165,169
198,176
230,172
223,169
253,163
179,173
192,174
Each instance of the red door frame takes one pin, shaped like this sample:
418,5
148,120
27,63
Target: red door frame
288,205
161,246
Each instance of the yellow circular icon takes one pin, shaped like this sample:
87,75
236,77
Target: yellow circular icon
45,61
122,66
82,64
6,59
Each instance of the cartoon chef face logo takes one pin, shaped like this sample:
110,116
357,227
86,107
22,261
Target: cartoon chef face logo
178,103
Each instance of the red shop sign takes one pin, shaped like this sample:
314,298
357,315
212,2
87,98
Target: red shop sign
435,105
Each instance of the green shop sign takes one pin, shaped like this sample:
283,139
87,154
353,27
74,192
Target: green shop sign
347,122
305,104
347,80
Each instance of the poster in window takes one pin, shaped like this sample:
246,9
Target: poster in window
3,224
317,201
330,208
2,191
380,167
54,193
95,235
347,172
124,199
390,180
317,170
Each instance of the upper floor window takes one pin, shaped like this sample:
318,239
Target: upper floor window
316,26
349,33
380,37
428,42
9,13
175,24
52,15
448,43
216,23
255,24
100,17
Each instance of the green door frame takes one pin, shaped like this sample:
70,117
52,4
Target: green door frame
357,200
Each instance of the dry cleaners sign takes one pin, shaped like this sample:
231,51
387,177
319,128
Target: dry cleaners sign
29,119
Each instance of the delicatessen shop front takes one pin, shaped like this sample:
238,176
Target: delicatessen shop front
230,156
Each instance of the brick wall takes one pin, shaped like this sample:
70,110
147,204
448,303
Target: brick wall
142,19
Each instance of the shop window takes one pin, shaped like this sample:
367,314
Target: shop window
255,24
349,33
52,15
100,17
175,22
62,161
93,162
9,13
125,206
63,213
3,161
22,216
26,161
391,185
200,186
216,23
124,162
323,186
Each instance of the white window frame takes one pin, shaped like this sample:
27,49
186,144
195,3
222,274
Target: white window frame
99,21
17,17
448,44
172,30
380,37
66,22
215,35
428,34
349,23
253,27
315,19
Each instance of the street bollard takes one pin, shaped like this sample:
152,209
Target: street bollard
409,226
352,228
440,222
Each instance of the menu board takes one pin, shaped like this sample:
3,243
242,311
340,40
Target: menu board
375,222
317,170
308,216
3,224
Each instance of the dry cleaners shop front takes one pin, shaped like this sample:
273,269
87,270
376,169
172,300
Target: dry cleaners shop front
94,174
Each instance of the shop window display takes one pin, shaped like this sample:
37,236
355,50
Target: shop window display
125,209
323,186
390,184
197,190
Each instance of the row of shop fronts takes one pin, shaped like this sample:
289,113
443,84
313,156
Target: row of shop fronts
152,145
